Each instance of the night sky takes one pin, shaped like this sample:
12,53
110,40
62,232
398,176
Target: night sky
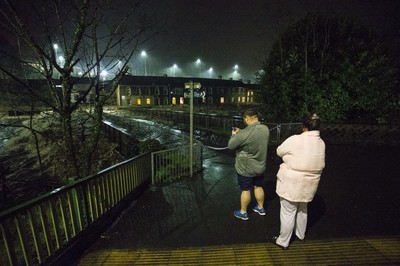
224,33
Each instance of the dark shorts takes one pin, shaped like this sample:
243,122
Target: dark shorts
247,183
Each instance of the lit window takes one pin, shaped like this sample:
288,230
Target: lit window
173,100
222,100
148,101
181,100
243,99
139,101
238,99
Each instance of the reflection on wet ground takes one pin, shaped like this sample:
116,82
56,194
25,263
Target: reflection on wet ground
182,213
356,198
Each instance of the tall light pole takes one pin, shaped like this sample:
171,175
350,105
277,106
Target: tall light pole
174,67
61,60
144,55
210,70
235,72
198,63
55,47
191,86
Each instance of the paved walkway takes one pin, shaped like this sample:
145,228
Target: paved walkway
353,219
362,251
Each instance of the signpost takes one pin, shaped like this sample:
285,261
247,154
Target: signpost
191,86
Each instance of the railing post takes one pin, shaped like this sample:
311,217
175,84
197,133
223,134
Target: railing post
74,204
278,134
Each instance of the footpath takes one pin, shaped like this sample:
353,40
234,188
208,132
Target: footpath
353,219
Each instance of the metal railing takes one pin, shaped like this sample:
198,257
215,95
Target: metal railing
280,132
172,164
37,230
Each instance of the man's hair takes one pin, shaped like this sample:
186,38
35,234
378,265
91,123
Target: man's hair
312,122
251,113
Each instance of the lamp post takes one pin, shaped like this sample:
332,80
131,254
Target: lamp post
144,55
174,67
61,60
198,63
191,86
104,74
235,72
55,47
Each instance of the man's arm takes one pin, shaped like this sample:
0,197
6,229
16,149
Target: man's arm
236,140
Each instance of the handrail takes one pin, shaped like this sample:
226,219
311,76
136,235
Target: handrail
36,230
172,164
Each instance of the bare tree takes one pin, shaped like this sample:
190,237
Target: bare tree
64,43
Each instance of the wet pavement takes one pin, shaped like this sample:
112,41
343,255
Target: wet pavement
357,198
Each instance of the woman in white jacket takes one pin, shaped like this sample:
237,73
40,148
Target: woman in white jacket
298,177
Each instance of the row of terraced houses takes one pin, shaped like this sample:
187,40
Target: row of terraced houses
149,91
154,90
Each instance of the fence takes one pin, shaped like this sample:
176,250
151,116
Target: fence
37,231
361,134
169,165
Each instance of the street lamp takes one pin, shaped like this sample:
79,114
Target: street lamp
174,67
144,55
55,47
198,63
210,72
61,60
235,73
104,74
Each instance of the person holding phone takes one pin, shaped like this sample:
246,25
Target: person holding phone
250,145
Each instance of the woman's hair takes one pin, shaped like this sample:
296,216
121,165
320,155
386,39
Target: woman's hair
312,122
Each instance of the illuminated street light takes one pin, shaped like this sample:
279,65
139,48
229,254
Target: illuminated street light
235,73
210,70
198,63
55,47
144,55
104,74
61,60
174,67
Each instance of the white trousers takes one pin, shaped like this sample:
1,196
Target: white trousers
293,217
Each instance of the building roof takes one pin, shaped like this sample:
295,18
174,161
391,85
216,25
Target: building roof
180,81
